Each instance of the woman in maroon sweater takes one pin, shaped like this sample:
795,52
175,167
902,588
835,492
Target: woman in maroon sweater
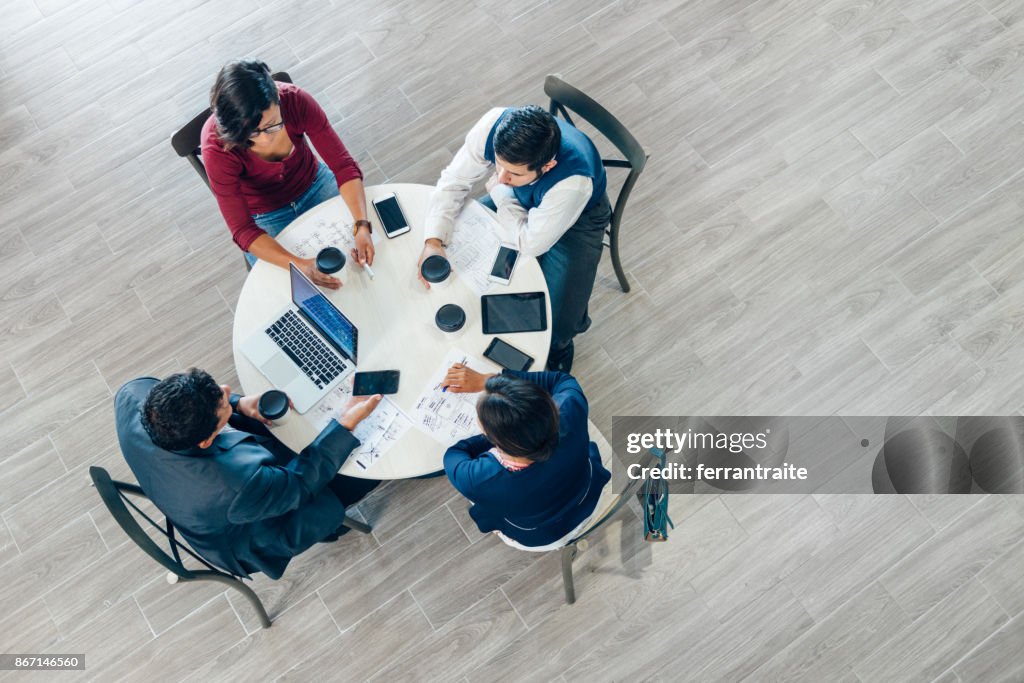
262,170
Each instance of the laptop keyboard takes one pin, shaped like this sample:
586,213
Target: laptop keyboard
319,362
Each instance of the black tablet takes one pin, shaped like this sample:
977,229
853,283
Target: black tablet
505,313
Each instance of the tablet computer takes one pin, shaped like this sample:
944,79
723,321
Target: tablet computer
506,313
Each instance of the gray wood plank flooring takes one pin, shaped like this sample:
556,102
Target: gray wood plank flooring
829,223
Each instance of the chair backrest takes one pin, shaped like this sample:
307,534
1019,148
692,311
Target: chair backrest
186,141
649,459
113,494
565,99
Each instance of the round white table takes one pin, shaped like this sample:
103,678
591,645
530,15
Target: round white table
395,317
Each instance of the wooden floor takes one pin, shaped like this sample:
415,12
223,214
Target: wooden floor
830,223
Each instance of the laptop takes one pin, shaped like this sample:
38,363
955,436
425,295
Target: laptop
308,349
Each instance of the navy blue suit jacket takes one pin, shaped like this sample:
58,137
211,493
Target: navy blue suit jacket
544,502
246,503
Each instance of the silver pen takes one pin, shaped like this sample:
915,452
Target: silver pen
368,270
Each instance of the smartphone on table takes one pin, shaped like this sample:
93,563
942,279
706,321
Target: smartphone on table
391,216
379,382
504,264
507,356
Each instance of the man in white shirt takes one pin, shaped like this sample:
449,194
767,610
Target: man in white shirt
548,189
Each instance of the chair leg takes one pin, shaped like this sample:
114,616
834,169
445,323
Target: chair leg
568,555
255,602
613,247
356,525
249,594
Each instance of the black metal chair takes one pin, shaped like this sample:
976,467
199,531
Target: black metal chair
608,511
564,98
186,142
115,497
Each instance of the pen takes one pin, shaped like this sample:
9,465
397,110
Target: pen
368,270
444,388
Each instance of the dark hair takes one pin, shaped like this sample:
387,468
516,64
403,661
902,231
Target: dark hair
181,410
519,417
244,89
527,135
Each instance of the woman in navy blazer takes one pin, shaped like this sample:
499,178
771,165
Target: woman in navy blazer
534,476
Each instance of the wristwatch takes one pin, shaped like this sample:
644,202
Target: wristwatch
358,224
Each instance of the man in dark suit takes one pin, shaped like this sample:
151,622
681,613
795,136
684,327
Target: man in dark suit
241,499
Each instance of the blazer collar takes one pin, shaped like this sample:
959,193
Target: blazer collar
227,439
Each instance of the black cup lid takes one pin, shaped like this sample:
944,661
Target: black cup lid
273,404
330,260
435,268
450,317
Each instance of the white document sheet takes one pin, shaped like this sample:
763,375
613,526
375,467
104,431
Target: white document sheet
377,433
444,416
328,230
400,423
474,245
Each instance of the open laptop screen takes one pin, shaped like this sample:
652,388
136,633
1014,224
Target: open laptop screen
318,309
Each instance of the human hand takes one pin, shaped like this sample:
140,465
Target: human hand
430,247
249,406
358,409
308,267
463,380
363,252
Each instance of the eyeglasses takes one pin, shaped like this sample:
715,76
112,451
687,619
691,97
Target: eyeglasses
271,129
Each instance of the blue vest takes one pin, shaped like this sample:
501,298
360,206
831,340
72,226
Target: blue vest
576,156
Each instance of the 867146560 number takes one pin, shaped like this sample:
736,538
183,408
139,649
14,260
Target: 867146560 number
41,662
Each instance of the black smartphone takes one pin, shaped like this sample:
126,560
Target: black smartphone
380,382
389,211
507,356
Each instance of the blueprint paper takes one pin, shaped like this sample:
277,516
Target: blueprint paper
326,231
473,246
377,433
445,416
368,453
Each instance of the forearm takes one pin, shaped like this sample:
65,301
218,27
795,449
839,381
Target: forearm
354,195
317,463
535,231
458,466
550,381
268,249
471,447
513,219
275,490
239,420
467,168
445,203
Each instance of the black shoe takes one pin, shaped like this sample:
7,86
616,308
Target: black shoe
561,361
335,535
